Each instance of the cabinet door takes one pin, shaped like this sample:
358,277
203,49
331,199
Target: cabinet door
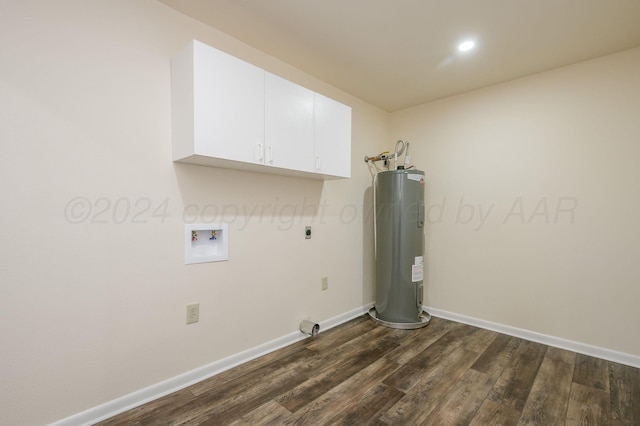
228,106
289,124
332,137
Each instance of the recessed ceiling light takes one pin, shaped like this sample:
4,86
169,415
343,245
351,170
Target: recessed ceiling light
467,45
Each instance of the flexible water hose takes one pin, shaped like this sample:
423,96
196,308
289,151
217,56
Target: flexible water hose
375,213
404,145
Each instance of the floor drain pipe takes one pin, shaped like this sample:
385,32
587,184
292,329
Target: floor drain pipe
309,327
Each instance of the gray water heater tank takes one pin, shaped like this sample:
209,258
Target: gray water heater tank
400,217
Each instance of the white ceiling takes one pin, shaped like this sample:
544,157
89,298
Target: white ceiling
400,53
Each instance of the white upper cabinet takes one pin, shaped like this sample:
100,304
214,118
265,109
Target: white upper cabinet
332,148
218,105
229,113
289,128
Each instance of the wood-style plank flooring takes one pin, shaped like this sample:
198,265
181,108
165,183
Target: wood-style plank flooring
447,373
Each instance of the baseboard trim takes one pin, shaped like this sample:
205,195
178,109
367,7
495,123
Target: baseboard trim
158,390
595,351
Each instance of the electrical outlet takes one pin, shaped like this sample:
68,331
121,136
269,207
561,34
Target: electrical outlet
307,232
193,313
325,283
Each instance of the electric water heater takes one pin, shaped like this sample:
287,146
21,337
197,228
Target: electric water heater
399,222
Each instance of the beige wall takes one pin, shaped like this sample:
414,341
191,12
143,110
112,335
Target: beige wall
92,311
534,199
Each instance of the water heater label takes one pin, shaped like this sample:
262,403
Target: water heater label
417,273
417,178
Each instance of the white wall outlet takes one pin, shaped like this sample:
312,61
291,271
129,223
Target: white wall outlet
193,313
324,283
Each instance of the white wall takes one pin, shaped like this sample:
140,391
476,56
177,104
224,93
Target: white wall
534,199
94,310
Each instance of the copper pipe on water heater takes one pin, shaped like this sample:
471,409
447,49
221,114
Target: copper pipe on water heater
381,156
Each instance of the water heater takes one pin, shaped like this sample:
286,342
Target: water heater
400,216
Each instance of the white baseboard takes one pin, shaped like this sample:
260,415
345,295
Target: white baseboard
595,351
158,390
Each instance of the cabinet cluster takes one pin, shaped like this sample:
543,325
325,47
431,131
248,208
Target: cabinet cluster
229,113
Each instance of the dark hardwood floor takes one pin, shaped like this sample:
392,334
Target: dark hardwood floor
445,374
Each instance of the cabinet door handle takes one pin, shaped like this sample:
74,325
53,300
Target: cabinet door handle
270,157
317,162
259,153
